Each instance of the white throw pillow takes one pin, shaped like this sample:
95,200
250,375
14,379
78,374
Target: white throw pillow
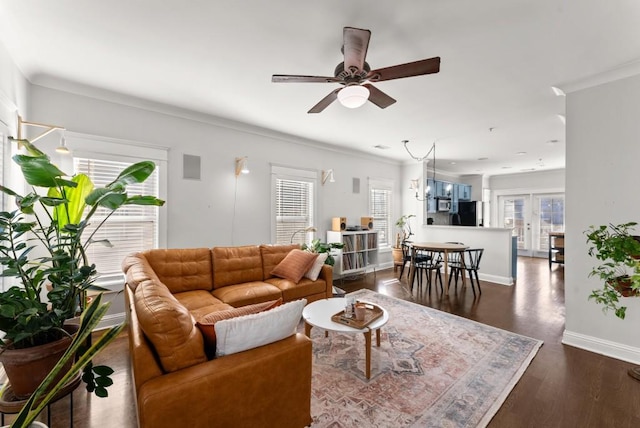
314,271
250,331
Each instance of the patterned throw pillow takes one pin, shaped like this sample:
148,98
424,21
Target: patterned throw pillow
207,322
294,265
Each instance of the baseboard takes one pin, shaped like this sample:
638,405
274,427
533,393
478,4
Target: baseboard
602,347
502,280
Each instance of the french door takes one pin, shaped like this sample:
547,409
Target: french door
532,217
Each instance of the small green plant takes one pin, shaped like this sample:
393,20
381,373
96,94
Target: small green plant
405,229
618,249
322,247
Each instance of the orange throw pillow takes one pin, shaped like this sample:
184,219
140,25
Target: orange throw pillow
206,324
294,265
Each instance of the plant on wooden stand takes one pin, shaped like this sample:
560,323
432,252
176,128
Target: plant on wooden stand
43,241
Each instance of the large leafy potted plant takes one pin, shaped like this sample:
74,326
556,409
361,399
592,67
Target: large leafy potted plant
44,241
323,247
618,250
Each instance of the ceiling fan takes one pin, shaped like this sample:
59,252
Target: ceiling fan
355,74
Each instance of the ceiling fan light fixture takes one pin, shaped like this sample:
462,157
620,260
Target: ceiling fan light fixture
353,96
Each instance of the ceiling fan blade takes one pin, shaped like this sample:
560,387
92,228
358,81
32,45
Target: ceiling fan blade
378,97
324,103
417,68
288,78
356,43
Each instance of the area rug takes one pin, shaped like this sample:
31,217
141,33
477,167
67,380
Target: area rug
433,369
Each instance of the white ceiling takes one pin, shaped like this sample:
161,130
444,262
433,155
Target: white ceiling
492,98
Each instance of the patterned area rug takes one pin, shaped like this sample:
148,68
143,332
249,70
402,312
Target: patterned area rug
433,369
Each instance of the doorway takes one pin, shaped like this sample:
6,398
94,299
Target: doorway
532,216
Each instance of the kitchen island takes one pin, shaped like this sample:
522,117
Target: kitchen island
498,262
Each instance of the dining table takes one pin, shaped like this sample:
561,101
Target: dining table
441,247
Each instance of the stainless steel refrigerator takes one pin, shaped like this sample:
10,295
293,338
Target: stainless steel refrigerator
470,213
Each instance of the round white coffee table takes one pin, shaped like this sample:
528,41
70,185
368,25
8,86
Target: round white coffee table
319,313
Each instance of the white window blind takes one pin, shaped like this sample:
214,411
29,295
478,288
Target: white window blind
380,210
294,209
129,229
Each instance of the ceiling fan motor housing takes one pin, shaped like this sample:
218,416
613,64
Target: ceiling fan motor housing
348,76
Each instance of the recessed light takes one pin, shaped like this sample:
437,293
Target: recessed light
506,167
521,153
481,159
452,163
381,147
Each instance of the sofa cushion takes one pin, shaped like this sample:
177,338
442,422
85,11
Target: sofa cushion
137,270
196,299
316,267
247,293
236,265
169,327
206,323
182,269
294,265
251,331
293,291
272,255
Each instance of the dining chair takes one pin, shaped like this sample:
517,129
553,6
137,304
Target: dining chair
471,261
406,256
427,263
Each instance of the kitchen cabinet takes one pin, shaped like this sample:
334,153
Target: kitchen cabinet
464,192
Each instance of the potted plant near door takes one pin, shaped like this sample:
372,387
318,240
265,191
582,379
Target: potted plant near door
405,232
45,241
619,251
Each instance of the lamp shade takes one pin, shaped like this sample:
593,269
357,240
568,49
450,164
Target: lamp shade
353,96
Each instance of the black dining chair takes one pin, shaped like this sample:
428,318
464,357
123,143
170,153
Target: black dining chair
471,264
428,264
406,256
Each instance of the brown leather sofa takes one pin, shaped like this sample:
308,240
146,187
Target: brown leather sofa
174,381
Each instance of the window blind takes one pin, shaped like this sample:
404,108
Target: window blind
380,209
129,229
294,209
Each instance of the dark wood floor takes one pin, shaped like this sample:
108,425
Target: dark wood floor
563,386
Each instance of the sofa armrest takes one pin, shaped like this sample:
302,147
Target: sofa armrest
265,386
327,274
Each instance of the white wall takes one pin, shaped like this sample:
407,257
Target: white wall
603,150
552,179
13,91
201,213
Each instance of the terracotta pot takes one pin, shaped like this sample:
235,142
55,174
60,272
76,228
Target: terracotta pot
397,255
623,286
26,368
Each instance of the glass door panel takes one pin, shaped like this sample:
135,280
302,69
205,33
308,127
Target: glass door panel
549,218
515,213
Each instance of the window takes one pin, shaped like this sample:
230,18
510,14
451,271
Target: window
380,210
294,204
131,228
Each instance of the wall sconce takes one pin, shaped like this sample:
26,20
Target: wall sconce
328,175
305,230
241,166
62,148
48,128
415,185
